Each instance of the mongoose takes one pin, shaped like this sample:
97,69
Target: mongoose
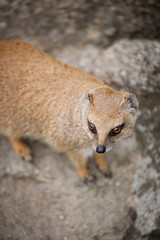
71,110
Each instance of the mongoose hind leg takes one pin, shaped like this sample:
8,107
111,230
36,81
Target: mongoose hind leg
102,165
21,148
81,166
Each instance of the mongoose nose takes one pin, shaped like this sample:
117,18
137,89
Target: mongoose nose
101,149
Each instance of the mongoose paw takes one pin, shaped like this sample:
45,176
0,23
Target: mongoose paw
28,157
90,179
21,149
108,174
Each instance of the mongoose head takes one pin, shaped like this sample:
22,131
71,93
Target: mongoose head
108,116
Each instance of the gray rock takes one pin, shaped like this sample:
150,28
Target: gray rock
58,23
146,186
131,64
47,200
135,66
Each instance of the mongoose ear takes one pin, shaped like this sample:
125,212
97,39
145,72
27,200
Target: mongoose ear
88,99
131,103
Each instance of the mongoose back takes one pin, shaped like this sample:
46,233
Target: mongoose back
71,110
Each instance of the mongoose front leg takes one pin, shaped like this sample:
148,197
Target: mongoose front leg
21,148
102,165
80,162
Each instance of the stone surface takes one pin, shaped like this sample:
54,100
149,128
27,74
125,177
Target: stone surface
131,64
146,184
48,201
57,23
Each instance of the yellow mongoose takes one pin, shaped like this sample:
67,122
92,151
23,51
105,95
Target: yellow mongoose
71,110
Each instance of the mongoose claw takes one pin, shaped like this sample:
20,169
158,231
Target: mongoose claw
108,174
90,179
28,158
31,161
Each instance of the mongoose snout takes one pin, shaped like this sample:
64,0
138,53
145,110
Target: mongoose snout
101,149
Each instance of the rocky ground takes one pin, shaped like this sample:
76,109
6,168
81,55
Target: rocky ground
118,42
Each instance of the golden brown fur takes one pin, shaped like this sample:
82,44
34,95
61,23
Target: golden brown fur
42,98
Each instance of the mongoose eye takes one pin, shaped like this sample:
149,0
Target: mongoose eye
92,127
116,130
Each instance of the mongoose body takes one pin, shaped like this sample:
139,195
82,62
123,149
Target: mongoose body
71,110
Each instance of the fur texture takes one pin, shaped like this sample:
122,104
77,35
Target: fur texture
42,98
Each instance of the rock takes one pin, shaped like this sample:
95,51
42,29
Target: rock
135,65
147,197
82,22
63,207
146,183
131,64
